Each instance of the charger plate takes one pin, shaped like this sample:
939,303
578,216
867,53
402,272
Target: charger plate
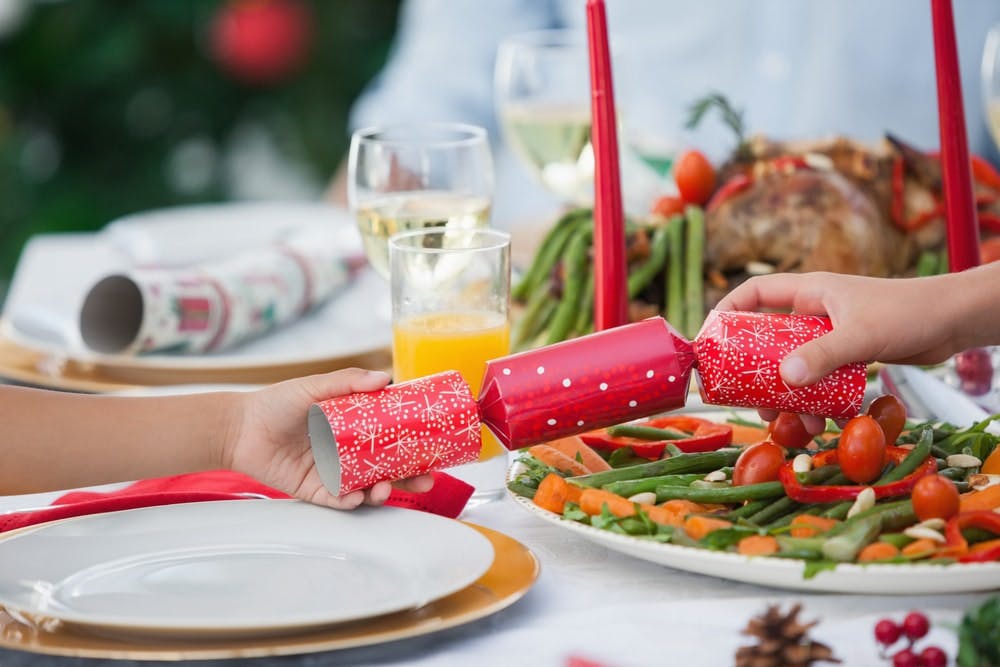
513,571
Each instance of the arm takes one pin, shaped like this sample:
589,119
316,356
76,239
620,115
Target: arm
52,440
905,321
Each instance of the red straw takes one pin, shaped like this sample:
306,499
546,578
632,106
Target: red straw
610,297
963,224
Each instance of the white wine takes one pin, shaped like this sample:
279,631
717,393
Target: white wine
993,118
379,219
555,141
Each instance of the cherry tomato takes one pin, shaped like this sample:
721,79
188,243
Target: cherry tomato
989,250
935,497
789,431
890,414
667,206
695,177
758,463
861,450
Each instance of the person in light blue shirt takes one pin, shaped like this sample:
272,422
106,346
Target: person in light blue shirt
799,69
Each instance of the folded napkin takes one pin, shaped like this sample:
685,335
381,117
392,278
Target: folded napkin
447,497
215,304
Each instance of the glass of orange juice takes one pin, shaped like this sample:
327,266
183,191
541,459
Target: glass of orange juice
450,311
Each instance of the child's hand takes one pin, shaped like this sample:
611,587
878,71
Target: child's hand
270,441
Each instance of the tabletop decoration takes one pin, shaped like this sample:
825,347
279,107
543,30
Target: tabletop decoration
610,299
215,305
643,368
782,641
398,432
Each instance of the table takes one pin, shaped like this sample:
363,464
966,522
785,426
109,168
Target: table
602,605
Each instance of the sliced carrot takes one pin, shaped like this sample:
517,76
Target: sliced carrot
878,551
807,525
673,512
593,500
991,466
697,526
920,548
554,492
984,546
748,435
575,448
986,499
757,545
556,459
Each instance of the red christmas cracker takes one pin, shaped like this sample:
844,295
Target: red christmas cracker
738,355
586,383
401,431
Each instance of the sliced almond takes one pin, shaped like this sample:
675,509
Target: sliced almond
802,463
933,524
644,498
715,476
963,461
918,532
818,161
755,268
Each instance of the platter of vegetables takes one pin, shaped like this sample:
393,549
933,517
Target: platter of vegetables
882,505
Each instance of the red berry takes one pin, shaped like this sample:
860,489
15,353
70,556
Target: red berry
261,41
906,658
932,656
915,625
887,632
975,371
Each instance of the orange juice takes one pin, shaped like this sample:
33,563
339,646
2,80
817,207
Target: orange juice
462,341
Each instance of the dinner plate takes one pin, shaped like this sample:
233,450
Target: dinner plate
55,270
512,573
789,573
235,568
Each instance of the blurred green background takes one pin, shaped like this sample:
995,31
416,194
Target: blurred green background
109,107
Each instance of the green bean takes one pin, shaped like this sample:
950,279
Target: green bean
630,487
748,509
703,462
645,432
527,325
694,287
898,540
780,507
585,318
732,494
575,265
549,252
675,276
642,275
846,545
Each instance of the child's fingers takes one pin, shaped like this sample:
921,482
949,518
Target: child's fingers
419,484
347,381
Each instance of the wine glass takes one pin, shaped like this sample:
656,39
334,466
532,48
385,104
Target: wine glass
991,81
417,176
542,93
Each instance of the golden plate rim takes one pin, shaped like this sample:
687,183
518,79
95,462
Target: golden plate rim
513,572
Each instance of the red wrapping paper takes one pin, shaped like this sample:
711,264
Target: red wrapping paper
586,383
738,355
401,431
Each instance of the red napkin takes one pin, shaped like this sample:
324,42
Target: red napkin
446,498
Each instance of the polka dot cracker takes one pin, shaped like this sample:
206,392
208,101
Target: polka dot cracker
738,355
586,383
401,431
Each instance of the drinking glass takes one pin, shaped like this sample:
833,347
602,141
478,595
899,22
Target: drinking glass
450,311
991,81
417,176
542,93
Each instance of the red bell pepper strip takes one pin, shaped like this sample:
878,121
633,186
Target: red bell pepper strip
730,188
989,222
956,544
984,172
798,491
706,436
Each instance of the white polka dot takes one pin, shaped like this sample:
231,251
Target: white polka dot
506,371
551,422
671,378
580,423
541,370
566,382
604,386
632,404
649,374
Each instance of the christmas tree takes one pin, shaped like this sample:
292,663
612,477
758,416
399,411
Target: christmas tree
113,107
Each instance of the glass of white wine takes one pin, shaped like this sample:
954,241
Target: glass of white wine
542,92
991,81
417,176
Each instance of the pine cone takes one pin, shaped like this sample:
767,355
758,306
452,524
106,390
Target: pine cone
782,641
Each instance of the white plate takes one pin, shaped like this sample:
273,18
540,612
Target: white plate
912,579
55,270
237,567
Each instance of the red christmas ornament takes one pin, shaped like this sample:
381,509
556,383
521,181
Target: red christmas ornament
261,41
